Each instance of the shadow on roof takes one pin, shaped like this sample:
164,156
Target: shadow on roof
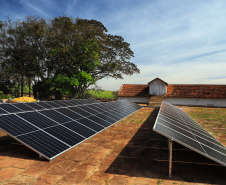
12,148
146,155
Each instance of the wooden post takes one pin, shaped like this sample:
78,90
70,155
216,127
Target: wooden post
170,148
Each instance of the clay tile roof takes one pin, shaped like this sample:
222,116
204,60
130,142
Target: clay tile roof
196,91
158,79
134,90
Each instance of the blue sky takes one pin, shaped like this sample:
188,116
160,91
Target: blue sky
180,41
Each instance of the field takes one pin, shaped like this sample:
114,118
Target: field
101,94
212,119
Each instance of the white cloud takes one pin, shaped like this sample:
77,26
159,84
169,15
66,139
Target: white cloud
178,41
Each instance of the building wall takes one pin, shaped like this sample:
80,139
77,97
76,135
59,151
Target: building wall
157,87
135,99
218,102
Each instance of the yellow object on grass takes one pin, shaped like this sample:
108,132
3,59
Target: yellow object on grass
23,99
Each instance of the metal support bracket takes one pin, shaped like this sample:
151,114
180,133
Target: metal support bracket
170,151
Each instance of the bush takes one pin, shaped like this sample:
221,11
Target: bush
4,96
84,95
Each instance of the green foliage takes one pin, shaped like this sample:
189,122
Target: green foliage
5,96
104,95
62,56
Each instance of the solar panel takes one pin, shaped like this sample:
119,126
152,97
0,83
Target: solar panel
69,113
79,111
10,108
52,131
35,106
43,143
45,105
53,104
176,125
64,134
67,102
61,103
14,125
91,124
56,116
37,119
80,128
23,106
3,111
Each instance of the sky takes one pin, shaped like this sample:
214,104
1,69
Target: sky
179,41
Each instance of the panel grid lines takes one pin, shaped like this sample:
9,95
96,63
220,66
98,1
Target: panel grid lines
178,126
191,129
52,131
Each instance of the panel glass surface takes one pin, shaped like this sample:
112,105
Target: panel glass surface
107,118
79,111
65,135
10,108
51,130
36,106
23,106
61,103
100,121
178,126
89,110
56,116
79,128
91,124
45,105
69,113
44,143
51,103
14,125
37,119
3,111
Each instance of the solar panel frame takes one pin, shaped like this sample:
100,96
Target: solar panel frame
23,106
165,132
35,106
84,122
10,108
2,111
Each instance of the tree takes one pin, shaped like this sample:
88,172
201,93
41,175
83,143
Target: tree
63,56
19,50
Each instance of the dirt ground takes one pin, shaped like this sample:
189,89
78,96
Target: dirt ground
129,152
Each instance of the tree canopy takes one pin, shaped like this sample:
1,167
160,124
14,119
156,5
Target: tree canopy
61,56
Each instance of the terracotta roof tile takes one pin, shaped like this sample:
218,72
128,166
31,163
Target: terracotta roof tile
134,90
196,91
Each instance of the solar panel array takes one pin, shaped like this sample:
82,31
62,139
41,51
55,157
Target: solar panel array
25,107
178,126
52,131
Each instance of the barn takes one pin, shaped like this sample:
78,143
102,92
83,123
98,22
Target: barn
176,94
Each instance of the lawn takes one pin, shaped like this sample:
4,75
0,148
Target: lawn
101,94
212,119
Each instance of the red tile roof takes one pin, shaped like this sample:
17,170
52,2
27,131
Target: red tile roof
134,90
196,91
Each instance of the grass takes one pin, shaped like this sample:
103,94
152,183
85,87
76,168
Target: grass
213,119
105,95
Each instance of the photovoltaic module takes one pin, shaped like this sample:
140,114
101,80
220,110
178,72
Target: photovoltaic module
52,128
175,124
